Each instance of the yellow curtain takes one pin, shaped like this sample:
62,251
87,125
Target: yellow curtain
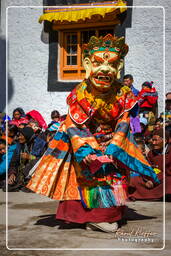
81,13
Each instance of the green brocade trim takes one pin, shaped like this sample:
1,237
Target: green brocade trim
102,49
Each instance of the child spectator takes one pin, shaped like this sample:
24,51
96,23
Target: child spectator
18,117
54,124
55,116
148,97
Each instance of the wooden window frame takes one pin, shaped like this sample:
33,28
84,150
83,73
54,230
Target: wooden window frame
74,72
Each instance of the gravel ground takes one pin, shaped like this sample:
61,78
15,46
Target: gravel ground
33,230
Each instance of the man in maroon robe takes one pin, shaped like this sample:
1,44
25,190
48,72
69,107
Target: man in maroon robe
145,189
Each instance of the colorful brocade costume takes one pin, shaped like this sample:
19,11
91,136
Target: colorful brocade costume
92,120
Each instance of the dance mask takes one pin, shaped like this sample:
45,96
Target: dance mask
103,60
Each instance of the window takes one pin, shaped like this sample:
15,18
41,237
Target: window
71,42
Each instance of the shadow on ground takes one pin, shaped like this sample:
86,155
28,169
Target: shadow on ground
132,214
47,220
50,220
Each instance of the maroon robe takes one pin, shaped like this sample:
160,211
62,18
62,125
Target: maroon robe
73,211
137,183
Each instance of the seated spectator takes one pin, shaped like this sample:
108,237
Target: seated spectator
22,125
39,132
141,146
140,140
148,141
35,115
4,160
10,135
151,119
138,136
3,119
158,124
55,116
35,126
146,189
28,151
161,150
63,117
167,113
143,124
18,117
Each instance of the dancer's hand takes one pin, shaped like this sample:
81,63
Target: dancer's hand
88,159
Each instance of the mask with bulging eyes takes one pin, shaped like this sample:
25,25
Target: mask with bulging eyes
102,69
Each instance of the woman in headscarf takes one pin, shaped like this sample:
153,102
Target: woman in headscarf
28,151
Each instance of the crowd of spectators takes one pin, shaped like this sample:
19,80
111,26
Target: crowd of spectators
24,139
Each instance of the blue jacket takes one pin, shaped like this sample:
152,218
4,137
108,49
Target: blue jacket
134,90
3,163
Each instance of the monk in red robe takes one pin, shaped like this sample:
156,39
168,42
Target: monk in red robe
145,189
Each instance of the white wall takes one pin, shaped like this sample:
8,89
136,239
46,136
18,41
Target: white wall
28,55
28,64
145,39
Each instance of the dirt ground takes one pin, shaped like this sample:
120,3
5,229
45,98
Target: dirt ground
33,230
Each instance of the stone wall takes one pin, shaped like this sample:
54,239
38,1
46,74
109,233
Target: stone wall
28,50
